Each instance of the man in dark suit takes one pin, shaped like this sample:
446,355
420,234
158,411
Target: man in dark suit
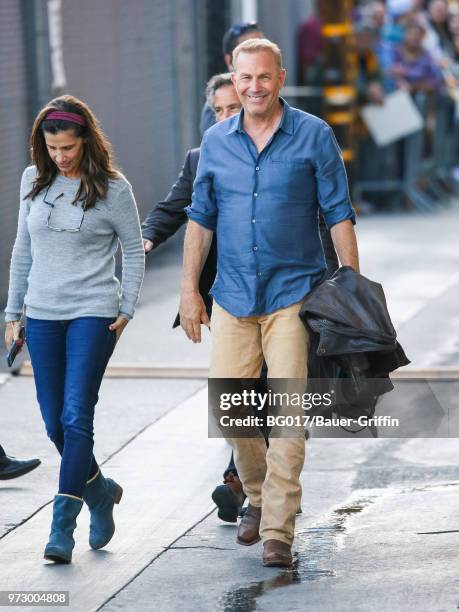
168,216
164,220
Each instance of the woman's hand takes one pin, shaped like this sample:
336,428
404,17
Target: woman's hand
118,326
12,331
147,245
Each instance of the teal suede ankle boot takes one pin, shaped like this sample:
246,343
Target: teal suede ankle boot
101,494
66,508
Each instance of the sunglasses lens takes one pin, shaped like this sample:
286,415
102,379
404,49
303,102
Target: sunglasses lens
242,29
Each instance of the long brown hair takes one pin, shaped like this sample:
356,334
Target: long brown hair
96,165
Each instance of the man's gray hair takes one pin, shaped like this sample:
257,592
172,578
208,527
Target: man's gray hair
214,84
254,45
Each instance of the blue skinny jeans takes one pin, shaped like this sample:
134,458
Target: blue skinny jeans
69,360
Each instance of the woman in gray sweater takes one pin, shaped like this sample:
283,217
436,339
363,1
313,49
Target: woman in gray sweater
75,208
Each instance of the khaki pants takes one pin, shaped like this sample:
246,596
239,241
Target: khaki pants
270,477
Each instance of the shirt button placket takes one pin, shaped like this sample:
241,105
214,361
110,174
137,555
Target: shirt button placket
255,195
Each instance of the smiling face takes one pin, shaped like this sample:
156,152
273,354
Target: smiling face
66,151
258,81
225,103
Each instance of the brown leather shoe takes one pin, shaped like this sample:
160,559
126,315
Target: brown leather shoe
229,498
277,554
249,527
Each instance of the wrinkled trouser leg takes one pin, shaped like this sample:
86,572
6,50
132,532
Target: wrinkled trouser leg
285,347
270,477
237,353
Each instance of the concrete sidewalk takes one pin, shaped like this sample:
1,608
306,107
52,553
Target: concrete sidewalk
379,532
369,508
379,525
157,508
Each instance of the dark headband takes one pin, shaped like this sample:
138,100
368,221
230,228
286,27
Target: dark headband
65,116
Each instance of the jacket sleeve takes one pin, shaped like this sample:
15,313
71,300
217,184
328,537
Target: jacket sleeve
331,259
207,119
169,215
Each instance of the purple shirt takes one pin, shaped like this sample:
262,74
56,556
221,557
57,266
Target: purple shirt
420,70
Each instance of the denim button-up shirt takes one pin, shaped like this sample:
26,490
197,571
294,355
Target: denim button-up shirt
264,209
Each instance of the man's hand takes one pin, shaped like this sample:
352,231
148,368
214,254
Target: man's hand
12,331
118,326
192,313
147,245
192,308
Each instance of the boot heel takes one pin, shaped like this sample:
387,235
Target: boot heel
118,494
101,495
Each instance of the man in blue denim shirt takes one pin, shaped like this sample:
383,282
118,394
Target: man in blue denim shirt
262,176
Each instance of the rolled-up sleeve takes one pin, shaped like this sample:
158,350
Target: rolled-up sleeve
203,208
332,186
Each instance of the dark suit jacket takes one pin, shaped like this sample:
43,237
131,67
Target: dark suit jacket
168,216
207,118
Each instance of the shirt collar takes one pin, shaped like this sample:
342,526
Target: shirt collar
286,124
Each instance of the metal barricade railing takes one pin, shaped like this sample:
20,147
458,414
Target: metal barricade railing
425,159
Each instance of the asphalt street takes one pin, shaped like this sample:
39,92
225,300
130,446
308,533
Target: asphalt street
379,528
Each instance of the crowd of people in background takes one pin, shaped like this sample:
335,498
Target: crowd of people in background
413,42
410,45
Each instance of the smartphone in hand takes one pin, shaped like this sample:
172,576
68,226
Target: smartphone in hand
15,348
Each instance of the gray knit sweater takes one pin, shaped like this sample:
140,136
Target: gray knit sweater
65,275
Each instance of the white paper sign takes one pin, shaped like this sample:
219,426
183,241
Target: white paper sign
396,118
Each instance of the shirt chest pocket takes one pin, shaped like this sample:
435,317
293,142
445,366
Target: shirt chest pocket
293,178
